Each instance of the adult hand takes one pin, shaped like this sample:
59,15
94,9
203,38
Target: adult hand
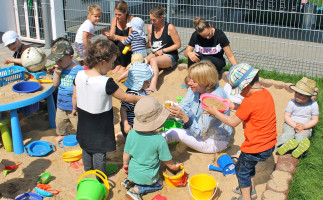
110,36
176,111
193,56
159,53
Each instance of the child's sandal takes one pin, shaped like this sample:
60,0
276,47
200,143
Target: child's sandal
238,191
131,194
303,146
289,145
127,183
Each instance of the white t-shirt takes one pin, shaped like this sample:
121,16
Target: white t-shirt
87,26
302,113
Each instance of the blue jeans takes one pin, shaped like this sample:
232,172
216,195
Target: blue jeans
246,166
174,61
144,189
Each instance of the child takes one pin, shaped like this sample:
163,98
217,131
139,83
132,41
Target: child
137,38
301,114
93,93
145,149
257,112
12,40
86,31
62,53
139,75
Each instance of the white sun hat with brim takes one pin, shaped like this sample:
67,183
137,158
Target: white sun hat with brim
10,37
149,114
241,75
137,24
305,86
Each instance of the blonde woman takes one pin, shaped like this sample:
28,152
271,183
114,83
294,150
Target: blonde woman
201,132
208,43
164,42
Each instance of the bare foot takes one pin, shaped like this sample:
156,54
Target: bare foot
59,138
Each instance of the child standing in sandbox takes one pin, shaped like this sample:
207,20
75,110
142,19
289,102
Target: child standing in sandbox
93,93
257,112
301,115
62,53
86,31
138,75
145,149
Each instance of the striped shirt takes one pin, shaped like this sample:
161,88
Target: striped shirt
137,42
131,106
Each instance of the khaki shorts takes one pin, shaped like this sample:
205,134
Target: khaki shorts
63,119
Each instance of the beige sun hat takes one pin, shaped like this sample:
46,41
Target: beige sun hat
305,86
138,58
149,114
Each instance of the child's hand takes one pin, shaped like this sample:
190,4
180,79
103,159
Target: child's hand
231,104
178,166
125,169
299,127
212,110
126,127
58,70
7,61
74,113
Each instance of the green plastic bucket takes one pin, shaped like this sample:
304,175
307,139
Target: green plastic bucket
92,189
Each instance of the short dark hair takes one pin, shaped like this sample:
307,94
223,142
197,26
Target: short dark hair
100,50
68,51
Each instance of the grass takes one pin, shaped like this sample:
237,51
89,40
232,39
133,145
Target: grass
307,183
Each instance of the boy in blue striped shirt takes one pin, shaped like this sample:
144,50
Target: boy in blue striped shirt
137,38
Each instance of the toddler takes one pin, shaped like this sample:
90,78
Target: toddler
137,38
93,93
62,53
86,31
145,149
12,40
301,115
139,75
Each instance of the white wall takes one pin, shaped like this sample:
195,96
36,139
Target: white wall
7,16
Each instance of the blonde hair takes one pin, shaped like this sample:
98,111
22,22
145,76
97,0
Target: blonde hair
157,11
122,6
205,74
200,24
92,9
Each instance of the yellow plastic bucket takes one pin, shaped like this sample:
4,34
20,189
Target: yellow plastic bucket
177,180
92,189
202,187
71,156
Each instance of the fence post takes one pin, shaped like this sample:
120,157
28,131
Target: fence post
57,16
46,22
168,11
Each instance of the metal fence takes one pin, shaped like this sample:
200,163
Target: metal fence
281,35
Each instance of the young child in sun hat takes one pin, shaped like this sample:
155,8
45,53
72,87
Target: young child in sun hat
257,112
301,115
139,75
145,149
137,38
12,40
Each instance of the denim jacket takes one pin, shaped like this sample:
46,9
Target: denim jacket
204,124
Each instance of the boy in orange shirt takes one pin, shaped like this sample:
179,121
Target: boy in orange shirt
257,112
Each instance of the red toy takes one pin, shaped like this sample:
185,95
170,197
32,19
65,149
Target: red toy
159,197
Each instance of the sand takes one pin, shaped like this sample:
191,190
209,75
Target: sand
64,178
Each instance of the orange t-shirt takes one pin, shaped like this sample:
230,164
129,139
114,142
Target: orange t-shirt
258,114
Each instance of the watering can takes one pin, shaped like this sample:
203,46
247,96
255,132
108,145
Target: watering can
226,164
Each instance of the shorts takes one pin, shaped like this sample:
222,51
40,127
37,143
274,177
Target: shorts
246,166
80,50
173,58
144,189
142,52
63,119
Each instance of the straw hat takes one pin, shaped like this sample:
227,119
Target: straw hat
305,86
241,75
149,114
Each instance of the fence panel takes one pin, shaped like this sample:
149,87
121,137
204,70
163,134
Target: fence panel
281,35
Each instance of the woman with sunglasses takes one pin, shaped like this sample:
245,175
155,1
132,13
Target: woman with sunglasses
164,42
208,43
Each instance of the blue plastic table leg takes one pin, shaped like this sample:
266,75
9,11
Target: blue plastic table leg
51,111
18,145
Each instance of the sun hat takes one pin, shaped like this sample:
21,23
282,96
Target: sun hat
137,24
241,75
60,49
137,75
138,58
305,86
149,114
10,37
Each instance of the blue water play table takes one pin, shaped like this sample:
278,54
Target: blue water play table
45,93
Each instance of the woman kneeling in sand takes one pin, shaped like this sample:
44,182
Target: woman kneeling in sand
201,132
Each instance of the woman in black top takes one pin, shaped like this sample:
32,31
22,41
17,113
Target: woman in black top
208,43
164,42
119,32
